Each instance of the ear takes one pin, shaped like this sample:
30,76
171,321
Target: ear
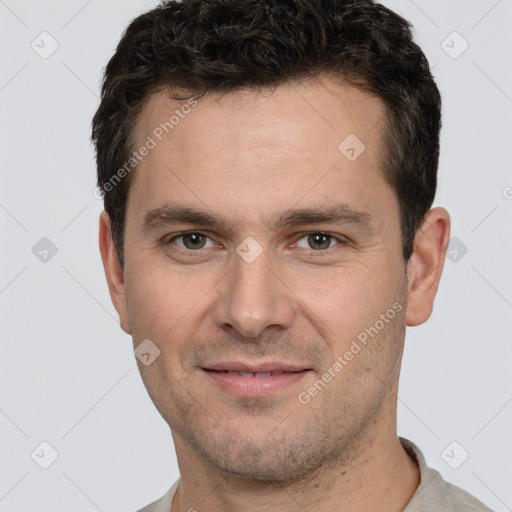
425,267
113,271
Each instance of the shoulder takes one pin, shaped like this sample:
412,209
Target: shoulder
435,493
462,501
164,503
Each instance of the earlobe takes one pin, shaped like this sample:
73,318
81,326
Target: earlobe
113,271
425,267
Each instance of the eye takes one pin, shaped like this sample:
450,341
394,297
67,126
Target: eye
191,240
318,241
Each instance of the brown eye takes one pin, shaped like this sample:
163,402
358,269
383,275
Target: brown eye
194,240
319,241
190,243
323,243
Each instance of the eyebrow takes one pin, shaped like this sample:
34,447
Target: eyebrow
341,214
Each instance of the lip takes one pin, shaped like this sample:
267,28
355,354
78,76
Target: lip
255,386
263,367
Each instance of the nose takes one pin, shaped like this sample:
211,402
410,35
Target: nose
253,297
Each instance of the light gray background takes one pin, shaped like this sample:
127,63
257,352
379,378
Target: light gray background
67,371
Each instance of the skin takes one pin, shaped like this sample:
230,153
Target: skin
249,156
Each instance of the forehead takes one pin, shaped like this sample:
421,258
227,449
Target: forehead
298,142
323,105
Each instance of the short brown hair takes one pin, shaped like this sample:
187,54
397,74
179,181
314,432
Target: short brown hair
220,46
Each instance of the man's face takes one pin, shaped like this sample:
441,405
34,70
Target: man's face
295,295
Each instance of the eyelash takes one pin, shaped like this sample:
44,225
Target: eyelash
190,252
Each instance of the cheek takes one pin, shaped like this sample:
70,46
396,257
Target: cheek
160,310
159,301
349,301
347,297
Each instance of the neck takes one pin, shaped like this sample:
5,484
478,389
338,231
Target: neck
380,476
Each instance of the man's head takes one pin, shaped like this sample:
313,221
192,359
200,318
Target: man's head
285,156
200,47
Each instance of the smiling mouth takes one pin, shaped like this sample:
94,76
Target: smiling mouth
253,374
254,384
